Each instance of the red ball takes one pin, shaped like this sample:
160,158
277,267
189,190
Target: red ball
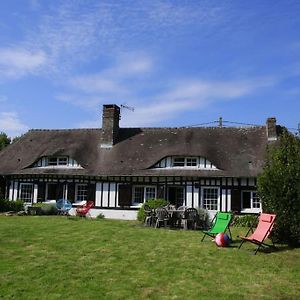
222,240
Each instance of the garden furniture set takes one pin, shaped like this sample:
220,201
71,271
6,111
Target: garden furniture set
172,217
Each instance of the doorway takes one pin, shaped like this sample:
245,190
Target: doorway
176,195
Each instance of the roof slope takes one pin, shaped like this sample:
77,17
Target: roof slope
237,152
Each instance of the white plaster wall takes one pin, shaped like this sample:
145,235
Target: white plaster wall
11,188
15,190
105,195
229,200
189,196
112,195
35,193
98,194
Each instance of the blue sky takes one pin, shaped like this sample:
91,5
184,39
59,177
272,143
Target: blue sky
178,63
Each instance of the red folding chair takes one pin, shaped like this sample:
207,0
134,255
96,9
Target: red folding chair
83,210
262,232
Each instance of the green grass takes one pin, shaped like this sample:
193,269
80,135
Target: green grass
66,258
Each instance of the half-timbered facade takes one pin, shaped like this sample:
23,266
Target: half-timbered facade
120,168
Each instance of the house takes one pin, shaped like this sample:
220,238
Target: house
120,168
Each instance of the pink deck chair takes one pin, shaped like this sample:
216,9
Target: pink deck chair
261,233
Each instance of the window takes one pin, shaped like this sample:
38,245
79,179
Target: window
143,193
250,201
149,193
81,192
191,162
179,162
185,162
26,192
210,198
138,196
58,161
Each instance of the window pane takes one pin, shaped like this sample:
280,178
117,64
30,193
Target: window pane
81,192
179,197
210,199
191,162
150,193
255,200
62,161
52,161
26,192
246,199
138,196
178,162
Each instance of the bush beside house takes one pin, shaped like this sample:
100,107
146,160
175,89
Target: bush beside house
279,188
152,203
6,205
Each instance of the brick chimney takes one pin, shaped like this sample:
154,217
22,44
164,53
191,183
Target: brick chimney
271,129
110,125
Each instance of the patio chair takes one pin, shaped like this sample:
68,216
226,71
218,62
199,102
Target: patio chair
84,210
162,216
63,206
261,233
190,218
149,215
220,224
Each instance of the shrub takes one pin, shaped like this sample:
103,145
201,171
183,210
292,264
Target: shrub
100,216
47,208
245,220
279,188
8,205
153,203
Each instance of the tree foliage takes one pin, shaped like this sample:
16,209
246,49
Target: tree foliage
4,140
279,187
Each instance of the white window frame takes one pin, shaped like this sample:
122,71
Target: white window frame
218,199
85,197
252,209
144,194
20,191
185,161
57,161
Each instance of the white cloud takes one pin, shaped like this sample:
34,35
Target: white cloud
11,124
72,32
180,97
112,80
16,62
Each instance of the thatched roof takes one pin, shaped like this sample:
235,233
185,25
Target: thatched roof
236,152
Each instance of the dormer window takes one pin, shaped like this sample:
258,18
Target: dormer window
184,162
188,162
58,161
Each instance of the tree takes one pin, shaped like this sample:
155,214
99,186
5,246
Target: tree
4,140
279,187
16,138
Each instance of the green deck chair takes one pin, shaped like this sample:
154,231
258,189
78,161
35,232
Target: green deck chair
220,223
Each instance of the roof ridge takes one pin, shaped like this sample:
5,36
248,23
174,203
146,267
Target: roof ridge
63,129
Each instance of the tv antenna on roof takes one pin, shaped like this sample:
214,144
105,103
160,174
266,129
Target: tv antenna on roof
127,107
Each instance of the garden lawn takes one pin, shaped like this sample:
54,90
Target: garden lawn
69,258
